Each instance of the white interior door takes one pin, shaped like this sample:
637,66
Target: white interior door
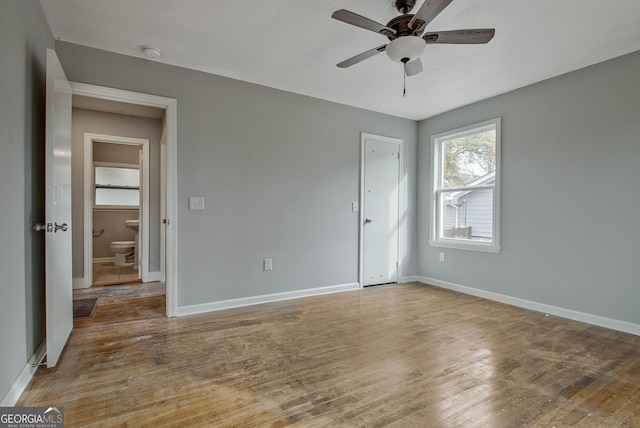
380,211
58,287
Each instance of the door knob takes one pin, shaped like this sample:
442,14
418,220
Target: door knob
62,227
368,220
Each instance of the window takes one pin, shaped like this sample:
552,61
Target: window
465,199
116,186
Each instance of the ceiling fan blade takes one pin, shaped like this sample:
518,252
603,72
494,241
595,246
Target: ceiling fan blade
474,36
362,22
361,57
414,67
429,10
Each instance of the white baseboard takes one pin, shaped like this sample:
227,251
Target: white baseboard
405,279
103,260
154,277
265,298
614,324
24,377
79,283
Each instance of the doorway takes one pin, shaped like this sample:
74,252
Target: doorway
124,103
380,197
118,208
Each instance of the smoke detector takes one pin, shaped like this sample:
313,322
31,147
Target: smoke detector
151,52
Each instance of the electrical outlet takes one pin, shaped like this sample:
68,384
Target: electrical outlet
441,256
267,264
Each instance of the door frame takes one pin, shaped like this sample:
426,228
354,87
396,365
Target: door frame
170,106
401,203
143,245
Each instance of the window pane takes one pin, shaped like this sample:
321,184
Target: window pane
469,158
112,176
467,215
122,197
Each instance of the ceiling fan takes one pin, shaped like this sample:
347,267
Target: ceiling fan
406,34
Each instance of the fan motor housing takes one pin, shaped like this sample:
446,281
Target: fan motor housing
401,25
405,6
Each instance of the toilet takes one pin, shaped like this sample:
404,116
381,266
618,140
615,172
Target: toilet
123,250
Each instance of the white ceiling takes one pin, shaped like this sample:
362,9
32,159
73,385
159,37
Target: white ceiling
294,44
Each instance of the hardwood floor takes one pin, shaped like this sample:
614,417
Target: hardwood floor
399,355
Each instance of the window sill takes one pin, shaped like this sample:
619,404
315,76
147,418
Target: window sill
471,246
115,208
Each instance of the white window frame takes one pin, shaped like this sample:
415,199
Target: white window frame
95,186
437,189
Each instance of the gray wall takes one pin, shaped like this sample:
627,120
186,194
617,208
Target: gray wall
112,223
569,145
278,172
107,152
24,38
97,122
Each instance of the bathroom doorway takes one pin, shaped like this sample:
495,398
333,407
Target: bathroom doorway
118,208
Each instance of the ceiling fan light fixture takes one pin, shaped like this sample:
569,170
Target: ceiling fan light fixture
405,49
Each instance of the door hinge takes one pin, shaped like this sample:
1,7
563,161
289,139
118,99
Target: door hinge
42,363
39,227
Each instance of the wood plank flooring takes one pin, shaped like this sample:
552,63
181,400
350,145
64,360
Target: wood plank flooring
406,355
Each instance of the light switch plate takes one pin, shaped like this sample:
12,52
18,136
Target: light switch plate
354,207
196,203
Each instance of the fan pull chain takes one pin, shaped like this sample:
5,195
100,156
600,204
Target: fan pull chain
404,76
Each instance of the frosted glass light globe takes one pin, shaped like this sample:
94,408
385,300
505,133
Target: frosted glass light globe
405,49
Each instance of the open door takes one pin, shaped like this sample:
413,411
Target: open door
58,277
